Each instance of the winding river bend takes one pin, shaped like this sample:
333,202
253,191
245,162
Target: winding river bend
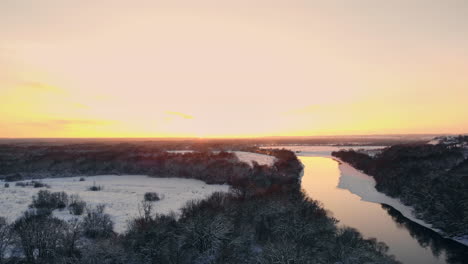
409,242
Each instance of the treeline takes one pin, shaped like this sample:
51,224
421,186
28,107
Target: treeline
224,228
17,163
433,179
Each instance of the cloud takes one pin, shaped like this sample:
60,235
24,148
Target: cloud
179,114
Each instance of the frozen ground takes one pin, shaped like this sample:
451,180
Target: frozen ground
121,195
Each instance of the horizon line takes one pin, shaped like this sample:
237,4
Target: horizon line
247,137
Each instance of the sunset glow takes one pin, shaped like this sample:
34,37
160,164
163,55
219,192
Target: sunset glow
232,68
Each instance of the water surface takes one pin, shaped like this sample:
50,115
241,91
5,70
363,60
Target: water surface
410,243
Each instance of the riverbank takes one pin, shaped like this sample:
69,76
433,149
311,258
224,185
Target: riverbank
363,186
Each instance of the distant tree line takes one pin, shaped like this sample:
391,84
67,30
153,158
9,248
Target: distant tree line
219,167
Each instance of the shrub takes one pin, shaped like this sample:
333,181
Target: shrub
61,199
35,184
43,199
95,187
82,179
152,197
21,184
38,184
146,211
7,185
97,224
77,208
77,205
47,200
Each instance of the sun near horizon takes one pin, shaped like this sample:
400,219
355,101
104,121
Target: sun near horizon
235,69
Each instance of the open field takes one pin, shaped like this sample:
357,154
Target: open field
121,195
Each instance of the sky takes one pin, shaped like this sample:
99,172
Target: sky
243,68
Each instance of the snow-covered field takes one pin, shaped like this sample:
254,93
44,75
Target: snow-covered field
243,156
261,159
363,186
121,195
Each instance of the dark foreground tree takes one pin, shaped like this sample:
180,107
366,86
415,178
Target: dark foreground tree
226,228
45,239
5,238
97,224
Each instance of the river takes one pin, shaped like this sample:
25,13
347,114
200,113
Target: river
409,242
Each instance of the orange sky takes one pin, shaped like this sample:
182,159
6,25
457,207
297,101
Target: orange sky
213,68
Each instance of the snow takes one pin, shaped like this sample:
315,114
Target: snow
121,195
462,239
180,151
249,157
322,151
243,156
363,186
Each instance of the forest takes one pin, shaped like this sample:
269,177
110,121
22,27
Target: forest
219,167
265,218
224,228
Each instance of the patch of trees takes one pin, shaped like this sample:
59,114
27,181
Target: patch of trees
264,219
38,238
6,236
270,228
20,162
35,184
97,224
224,228
44,239
433,179
50,200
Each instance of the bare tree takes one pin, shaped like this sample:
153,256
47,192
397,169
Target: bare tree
40,236
97,224
5,238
